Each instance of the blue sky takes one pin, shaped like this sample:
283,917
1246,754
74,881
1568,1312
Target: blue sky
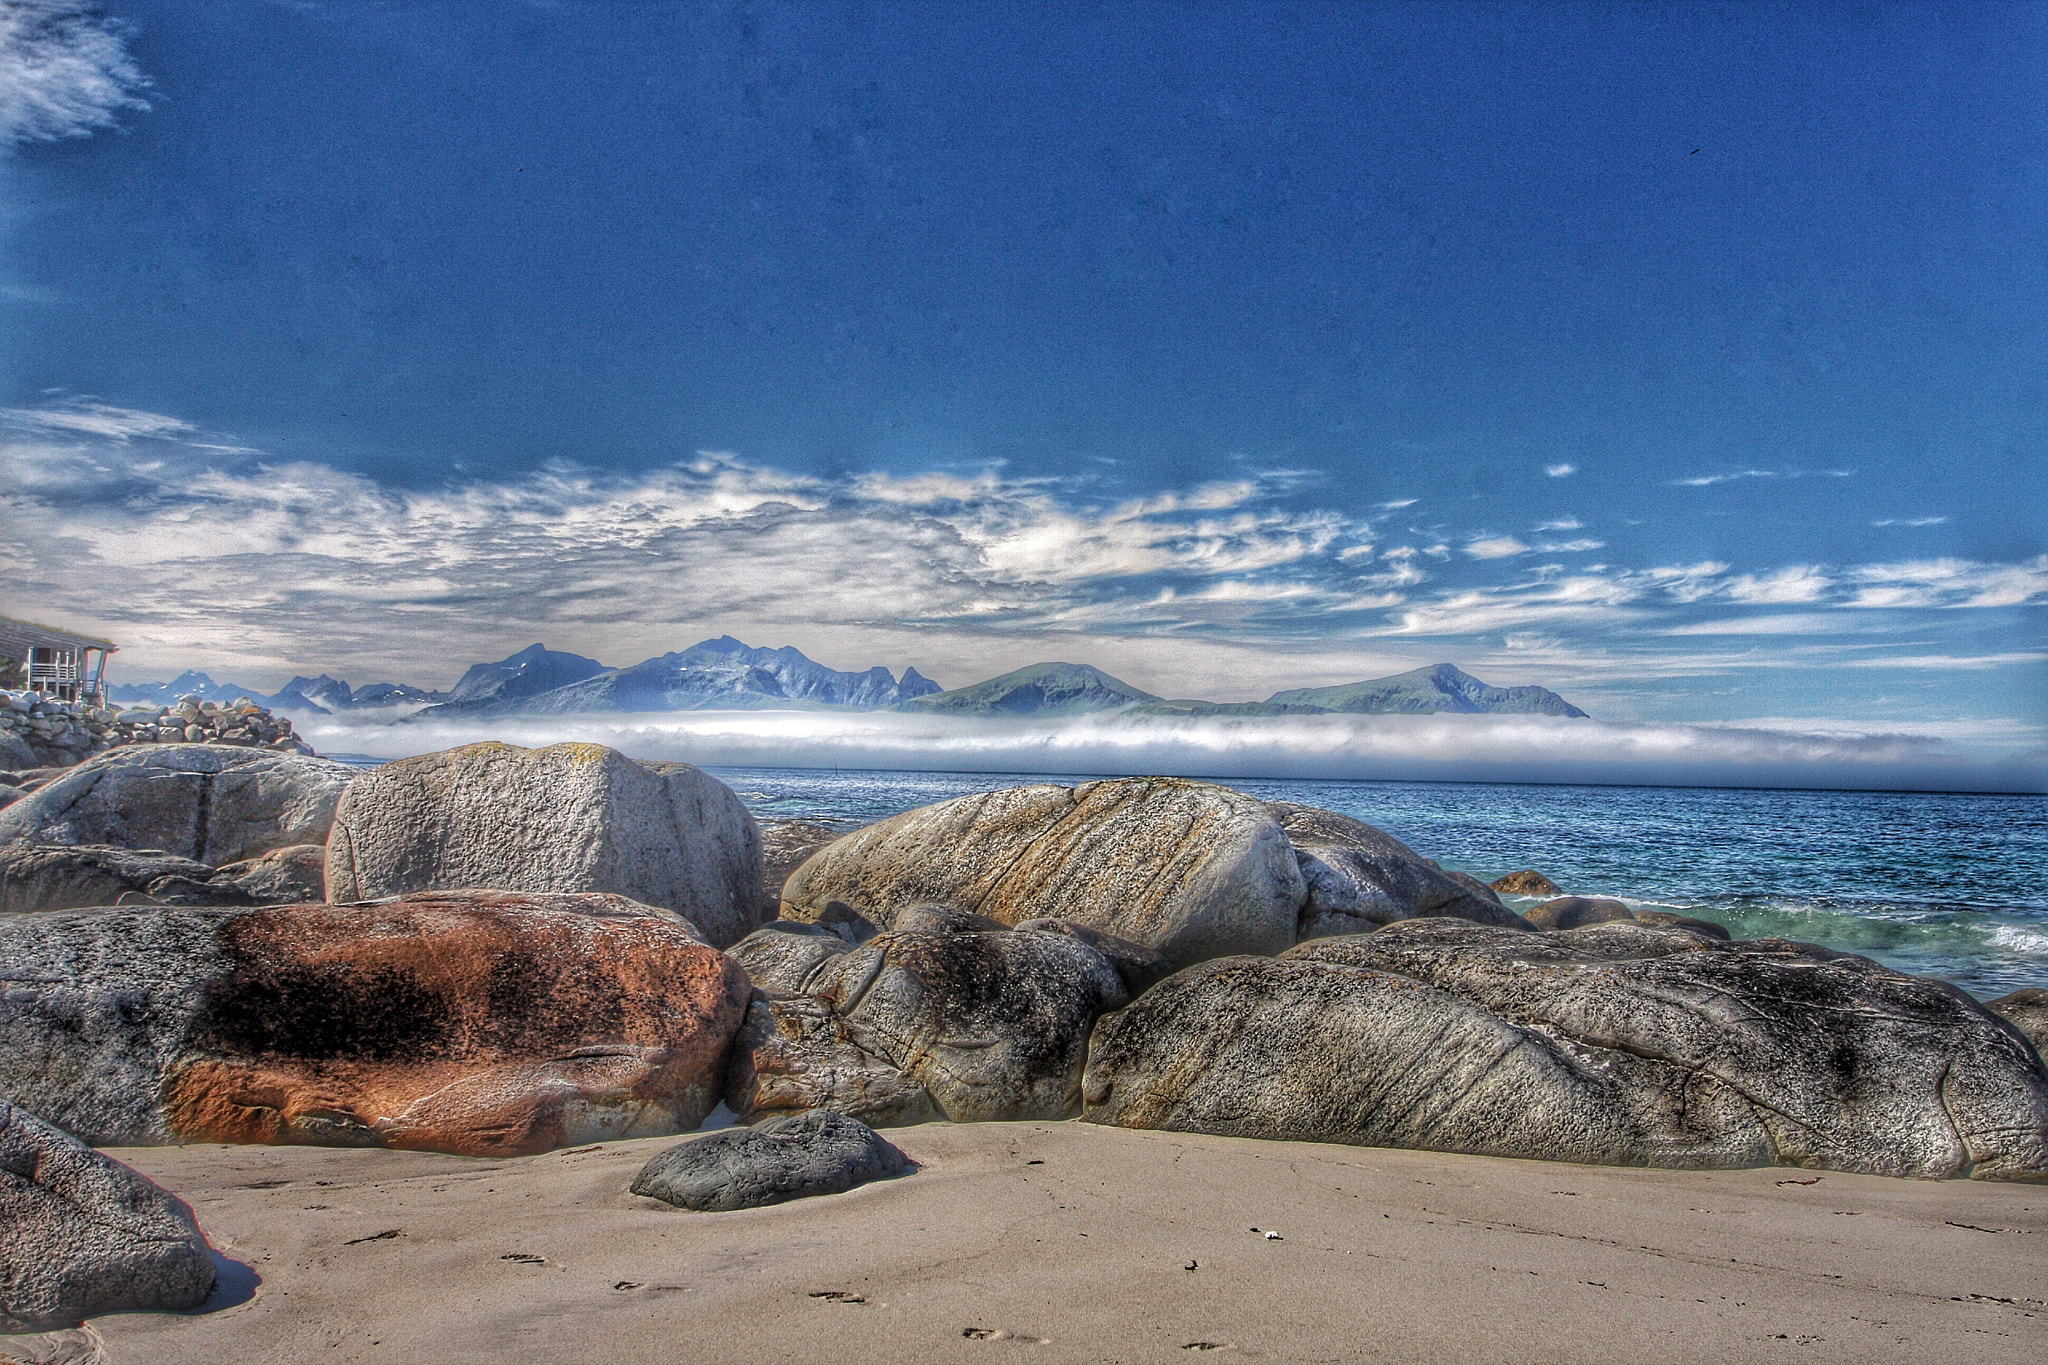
1684,358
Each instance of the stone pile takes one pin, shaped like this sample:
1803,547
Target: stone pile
38,731
192,721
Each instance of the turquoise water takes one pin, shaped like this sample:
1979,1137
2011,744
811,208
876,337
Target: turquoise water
1951,886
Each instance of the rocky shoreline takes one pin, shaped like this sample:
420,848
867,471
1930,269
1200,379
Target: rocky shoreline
499,952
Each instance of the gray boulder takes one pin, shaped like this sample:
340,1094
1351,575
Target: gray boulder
1190,869
989,1025
65,876
1359,878
570,817
211,803
81,1234
1577,912
2027,1011
793,1157
1618,1044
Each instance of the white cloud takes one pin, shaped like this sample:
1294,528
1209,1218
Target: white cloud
1568,547
1496,547
1560,471
1909,521
64,71
1561,524
190,551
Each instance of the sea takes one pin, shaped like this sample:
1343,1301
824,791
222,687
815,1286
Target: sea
1936,884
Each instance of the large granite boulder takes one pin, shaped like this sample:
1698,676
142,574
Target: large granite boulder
66,876
211,803
481,1023
1190,869
794,1156
1621,1043
1359,878
81,1234
989,1025
570,817
2027,1011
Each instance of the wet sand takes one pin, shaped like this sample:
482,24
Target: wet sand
1065,1241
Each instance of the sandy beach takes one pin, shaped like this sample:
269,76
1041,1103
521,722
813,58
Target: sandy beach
1067,1241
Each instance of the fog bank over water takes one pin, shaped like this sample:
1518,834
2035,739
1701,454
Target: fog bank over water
1450,748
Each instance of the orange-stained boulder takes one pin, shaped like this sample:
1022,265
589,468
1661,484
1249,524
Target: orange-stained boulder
485,1023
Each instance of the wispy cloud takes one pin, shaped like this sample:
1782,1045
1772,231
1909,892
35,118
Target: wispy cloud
1909,521
1560,471
1561,524
1496,547
64,71
1708,480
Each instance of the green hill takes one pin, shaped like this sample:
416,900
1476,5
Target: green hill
1039,690
1445,687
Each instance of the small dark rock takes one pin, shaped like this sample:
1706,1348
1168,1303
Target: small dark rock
2026,1011
818,1152
1664,919
1527,882
1576,912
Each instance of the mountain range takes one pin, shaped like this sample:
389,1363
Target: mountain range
727,674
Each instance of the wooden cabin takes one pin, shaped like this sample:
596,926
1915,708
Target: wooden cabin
56,663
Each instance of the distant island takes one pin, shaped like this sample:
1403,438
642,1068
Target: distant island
726,674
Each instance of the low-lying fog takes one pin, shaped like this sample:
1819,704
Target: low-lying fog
1487,748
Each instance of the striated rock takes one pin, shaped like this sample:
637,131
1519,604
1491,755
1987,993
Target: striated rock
1187,868
1527,882
1359,878
2026,1011
1619,1043
991,1025
570,817
1576,912
284,876
85,1235
205,802
63,876
475,1022
794,1054
787,1158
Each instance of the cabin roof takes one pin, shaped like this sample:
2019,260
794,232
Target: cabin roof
17,637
